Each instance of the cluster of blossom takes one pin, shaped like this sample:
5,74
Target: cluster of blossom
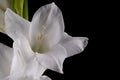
38,45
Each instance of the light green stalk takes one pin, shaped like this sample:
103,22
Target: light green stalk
25,10
20,7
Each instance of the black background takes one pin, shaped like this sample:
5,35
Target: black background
82,18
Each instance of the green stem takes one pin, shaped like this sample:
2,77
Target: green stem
25,9
20,7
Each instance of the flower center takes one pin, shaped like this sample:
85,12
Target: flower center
38,45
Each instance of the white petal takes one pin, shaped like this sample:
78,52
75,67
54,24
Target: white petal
54,59
4,4
1,21
20,78
46,27
24,61
73,45
15,25
45,78
22,53
6,55
28,78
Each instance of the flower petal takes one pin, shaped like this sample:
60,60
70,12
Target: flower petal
27,78
73,45
45,78
24,61
1,21
54,59
4,4
46,27
5,60
15,25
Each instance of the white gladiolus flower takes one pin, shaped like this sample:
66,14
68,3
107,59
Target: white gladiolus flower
38,45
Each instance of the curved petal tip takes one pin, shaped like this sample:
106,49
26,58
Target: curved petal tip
52,5
85,42
7,10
